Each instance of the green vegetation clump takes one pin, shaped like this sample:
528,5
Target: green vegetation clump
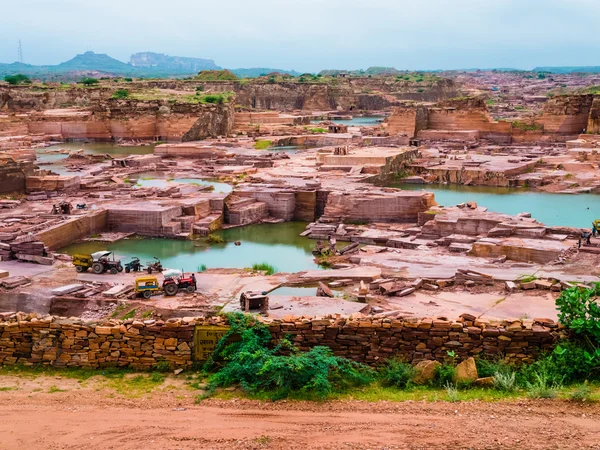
214,239
523,126
263,370
202,268
17,79
120,93
316,130
262,145
397,373
216,75
265,267
88,81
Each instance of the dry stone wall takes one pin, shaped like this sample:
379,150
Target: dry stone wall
28,339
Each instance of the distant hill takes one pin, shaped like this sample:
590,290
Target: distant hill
179,64
569,69
259,72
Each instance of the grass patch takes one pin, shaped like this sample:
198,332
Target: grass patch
129,315
262,145
264,267
53,389
8,388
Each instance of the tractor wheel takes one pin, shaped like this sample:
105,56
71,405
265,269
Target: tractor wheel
190,289
113,270
147,294
79,269
127,269
171,289
97,268
120,268
149,270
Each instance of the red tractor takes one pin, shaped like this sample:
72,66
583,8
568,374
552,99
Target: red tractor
176,280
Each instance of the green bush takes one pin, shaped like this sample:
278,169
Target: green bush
397,373
17,79
120,93
542,386
488,368
263,370
89,81
505,382
202,268
214,239
444,374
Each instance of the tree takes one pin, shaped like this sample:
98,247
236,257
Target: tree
17,79
89,81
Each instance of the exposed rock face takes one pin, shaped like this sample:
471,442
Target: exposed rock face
107,119
13,175
594,118
178,63
400,206
214,122
566,114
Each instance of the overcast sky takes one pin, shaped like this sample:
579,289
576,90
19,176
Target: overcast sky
310,35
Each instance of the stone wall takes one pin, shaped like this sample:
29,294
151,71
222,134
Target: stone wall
28,339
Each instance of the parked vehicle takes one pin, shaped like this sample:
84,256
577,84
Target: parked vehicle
102,263
82,262
176,280
134,265
146,286
154,266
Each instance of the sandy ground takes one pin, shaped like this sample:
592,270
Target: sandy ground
90,416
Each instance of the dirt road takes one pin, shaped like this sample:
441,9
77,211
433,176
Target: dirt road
80,420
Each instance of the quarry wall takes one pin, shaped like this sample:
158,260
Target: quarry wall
74,230
31,340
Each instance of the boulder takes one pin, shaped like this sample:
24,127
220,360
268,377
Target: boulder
466,371
426,371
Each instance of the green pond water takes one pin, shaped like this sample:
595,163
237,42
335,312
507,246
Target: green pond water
358,121
158,180
277,244
573,210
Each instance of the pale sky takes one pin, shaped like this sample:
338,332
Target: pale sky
310,35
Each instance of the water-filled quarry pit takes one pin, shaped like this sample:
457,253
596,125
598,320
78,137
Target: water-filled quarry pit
279,245
569,210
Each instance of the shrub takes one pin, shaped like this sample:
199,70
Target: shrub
89,81
129,80
120,93
542,386
452,392
213,99
261,370
17,79
266,267
397,373
487,368
444,374
214,239
505,382
581,394
202,268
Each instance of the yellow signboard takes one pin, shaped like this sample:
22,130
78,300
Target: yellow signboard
206,338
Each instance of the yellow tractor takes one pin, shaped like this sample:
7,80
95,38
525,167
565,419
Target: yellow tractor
146,286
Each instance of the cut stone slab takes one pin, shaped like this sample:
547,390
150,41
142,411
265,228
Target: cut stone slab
355,273
68,289
4,274
13,282
117,290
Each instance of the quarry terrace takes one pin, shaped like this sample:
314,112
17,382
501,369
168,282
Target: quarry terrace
331,197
